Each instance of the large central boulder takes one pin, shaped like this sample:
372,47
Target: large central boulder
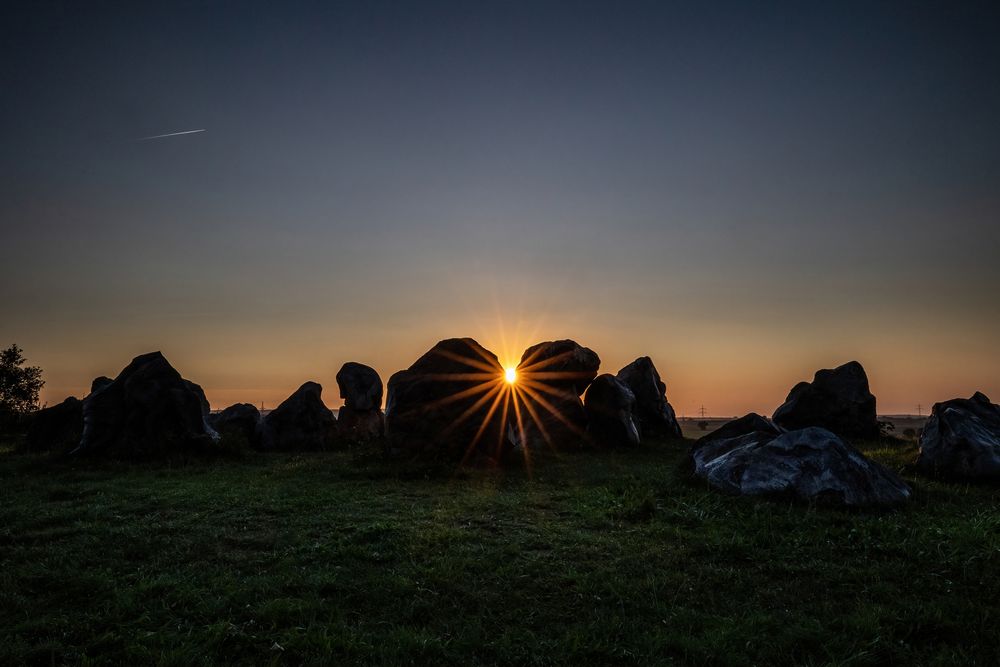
961,440
655,414
449,403
550,378
301,422
361,388
148,410
810,464
837,399
610,406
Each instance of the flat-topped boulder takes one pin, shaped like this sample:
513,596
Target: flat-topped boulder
961,440
301,422
810,464
238,424
57,428
655,415
837,399
361,388
448,403
148,410
610,406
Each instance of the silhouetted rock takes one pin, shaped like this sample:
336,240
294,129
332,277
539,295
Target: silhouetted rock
239,424
810,464
837,399
610,405
148,410
301,422
961,439
562,364
361,388
655,415
748,423
550,378
100,383
57,428
442,405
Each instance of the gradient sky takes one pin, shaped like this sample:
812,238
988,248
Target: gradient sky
745,192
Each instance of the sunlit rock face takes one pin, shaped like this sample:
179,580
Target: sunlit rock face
610,407
450,403
148,410
810,464
361,388
837,399
301,422
961,439
238,424
655,415
550,378
57,428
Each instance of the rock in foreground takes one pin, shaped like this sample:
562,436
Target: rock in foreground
961,440
837,399
810,464
655,414
448,403
301,422
610,406
148,410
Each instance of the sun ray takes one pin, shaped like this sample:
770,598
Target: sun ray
482,427
538,423
553,410
468,361
465,393
544,362
471,410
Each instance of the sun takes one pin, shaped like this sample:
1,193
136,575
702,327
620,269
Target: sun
510,375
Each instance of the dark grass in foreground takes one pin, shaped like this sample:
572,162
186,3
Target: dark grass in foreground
595,558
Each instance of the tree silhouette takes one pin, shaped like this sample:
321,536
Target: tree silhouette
19,385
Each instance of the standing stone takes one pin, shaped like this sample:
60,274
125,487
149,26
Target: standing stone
301,422
148,410
961,440
361,388
610,406
655,414
448,403
837,399
550,378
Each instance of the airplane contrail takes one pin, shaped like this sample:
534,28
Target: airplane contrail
172,134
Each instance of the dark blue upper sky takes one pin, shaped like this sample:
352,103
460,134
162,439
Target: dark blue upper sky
769,186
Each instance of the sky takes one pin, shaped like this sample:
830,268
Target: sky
745,192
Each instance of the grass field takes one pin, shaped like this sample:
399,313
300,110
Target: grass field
596,558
